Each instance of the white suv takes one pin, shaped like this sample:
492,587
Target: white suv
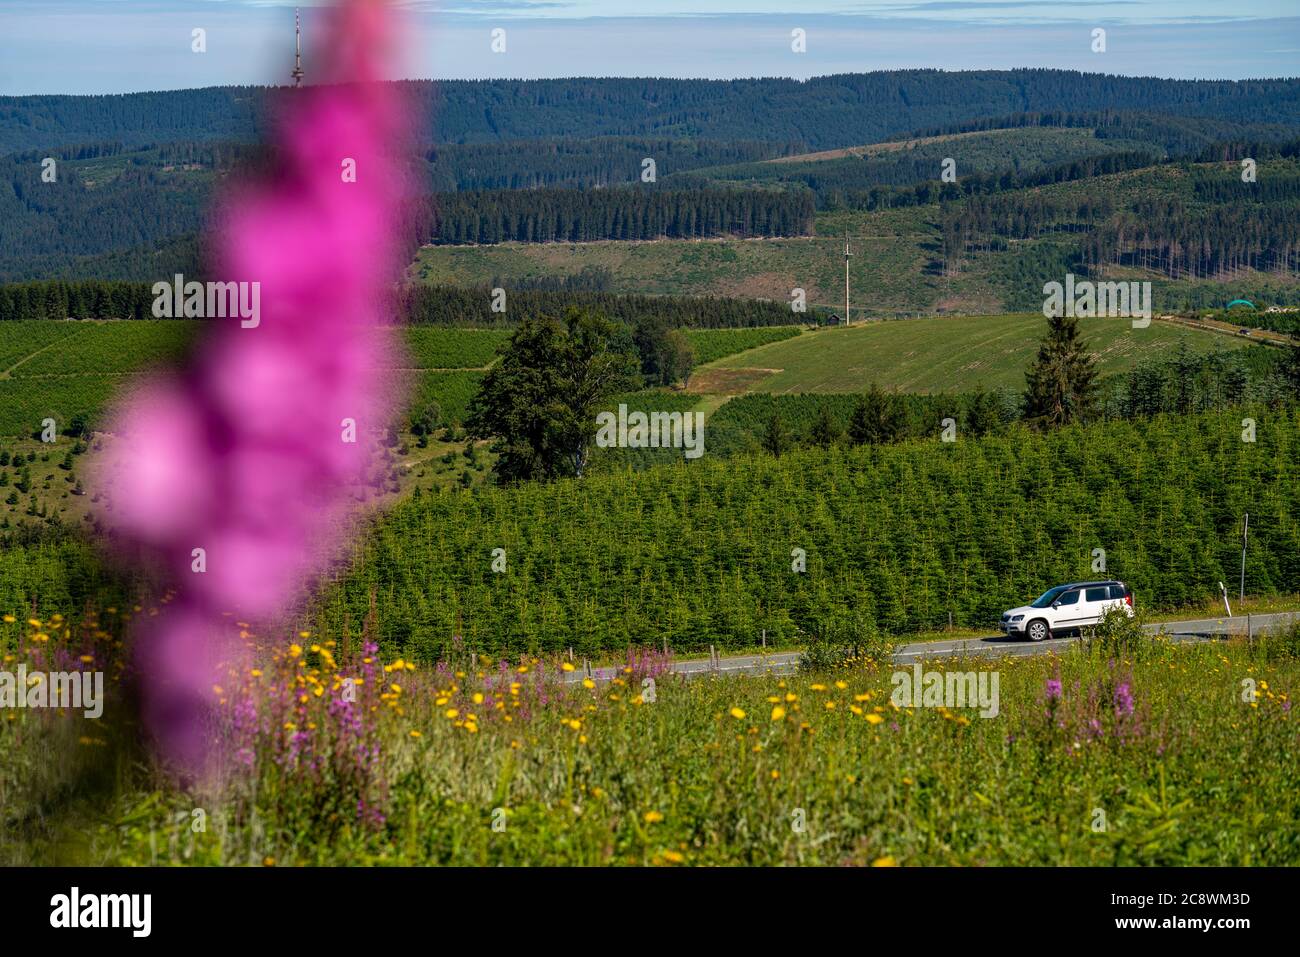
1067,608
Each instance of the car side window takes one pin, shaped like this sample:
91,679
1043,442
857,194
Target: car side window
1098,594
1117,591
1069,598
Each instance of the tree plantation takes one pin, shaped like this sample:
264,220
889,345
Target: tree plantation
895,538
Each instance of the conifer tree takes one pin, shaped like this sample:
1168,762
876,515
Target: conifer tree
1061,384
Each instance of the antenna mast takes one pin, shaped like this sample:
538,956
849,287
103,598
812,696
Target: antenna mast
297,73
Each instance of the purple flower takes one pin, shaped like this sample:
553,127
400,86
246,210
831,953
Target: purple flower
1053,689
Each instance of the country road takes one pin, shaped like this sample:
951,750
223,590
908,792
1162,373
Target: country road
785,662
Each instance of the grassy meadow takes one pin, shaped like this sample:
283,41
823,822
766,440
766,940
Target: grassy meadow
937,355
1124,751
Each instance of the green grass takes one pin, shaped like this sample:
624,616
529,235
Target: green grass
944,354
1148,755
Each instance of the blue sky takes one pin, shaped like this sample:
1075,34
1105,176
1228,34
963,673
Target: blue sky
116,46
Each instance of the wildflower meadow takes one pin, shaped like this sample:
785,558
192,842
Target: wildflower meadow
1122,750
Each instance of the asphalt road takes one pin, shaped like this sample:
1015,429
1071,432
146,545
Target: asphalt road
785,662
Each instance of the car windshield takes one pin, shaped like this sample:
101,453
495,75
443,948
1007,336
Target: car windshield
1049,596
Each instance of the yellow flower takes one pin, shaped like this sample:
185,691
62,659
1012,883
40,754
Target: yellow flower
841,685
416,734
304,634
817,687
875,718
653,817
884,862
737,713
451,713
778,713
34,622
10,619
588,683
775,774
478,697
574,723
674,857
566,667
791,696
295,650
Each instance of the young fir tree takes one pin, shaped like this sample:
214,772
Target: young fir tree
1061,385
776,437
826,430
1291,370
877,418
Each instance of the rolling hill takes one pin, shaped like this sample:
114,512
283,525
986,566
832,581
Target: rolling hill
936,355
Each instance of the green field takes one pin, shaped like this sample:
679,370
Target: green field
936,355
63,369
713,344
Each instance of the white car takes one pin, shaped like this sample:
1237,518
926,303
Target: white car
1067,608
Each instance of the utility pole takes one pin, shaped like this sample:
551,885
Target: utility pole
1245,529
846,277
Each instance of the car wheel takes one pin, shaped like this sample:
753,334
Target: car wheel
1038,630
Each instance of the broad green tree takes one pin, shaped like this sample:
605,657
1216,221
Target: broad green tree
539,403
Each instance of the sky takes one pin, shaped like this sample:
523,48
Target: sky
121,46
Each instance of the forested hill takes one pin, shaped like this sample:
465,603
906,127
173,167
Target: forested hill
821,113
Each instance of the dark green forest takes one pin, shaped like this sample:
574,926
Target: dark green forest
554,215
820,113
416,305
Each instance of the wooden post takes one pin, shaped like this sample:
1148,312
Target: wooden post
570,654
950,621
765,639
1250,630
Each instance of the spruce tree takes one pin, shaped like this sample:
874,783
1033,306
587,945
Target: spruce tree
877,418
826,430
776,437
1061,385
